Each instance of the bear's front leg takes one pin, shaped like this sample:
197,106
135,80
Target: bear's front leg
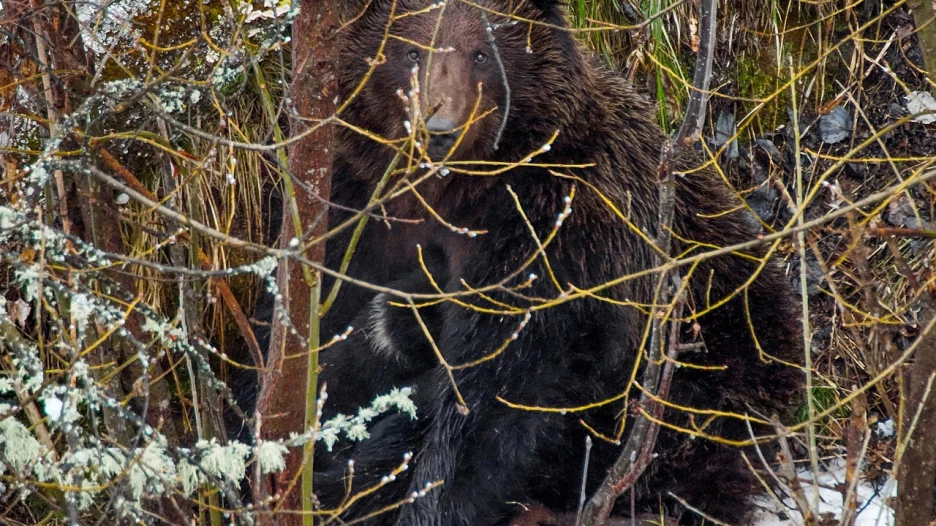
386,348
490,457
490,461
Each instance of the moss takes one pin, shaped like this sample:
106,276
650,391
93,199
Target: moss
757,77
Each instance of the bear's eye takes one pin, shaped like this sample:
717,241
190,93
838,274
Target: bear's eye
480,57
413,55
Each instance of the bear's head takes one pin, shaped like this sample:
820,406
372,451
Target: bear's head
476,76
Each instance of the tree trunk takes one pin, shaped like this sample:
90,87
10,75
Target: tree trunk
917,463
924,18
313,93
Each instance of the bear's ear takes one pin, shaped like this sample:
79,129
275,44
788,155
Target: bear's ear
551,9
547,5
351,8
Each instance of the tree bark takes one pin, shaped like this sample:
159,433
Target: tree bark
313,93
917,463
924,18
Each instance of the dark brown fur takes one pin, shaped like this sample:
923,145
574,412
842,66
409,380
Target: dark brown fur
576,353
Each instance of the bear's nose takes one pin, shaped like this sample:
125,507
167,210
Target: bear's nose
437,124
441,136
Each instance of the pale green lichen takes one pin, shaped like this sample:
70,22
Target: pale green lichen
355,428
224,462
271,456
188,477
18,447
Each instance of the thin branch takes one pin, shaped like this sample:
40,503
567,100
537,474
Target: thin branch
638,451
503,71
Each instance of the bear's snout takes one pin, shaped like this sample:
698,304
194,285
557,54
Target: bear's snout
442,136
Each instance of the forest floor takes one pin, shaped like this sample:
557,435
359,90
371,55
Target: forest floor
868,272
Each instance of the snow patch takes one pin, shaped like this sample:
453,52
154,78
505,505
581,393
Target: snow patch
884,429
919,102
53,407
871,509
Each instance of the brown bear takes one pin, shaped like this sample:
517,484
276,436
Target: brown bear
530,173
